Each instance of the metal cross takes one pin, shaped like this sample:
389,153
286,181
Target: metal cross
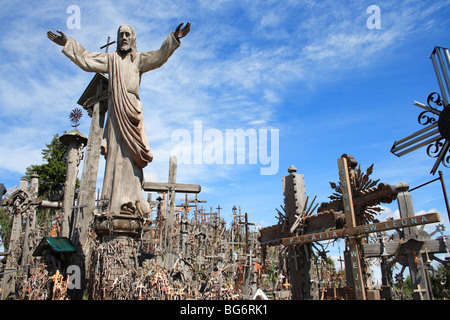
437,134
107,44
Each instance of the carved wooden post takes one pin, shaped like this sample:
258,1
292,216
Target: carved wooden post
75,142
30,223
170,214
94,100
299,257
17,206
354,250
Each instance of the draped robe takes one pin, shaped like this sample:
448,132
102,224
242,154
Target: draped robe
127,148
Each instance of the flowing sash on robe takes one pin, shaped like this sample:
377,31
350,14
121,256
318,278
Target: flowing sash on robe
128,112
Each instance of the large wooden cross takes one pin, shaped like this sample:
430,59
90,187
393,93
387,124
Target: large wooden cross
171,188
409,246
356,231
352,231
437,133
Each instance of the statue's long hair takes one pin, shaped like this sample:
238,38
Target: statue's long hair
133,47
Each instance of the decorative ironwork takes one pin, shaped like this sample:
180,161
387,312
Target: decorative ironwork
446,161
436,102
433,101
436,117
439,148
75,117
434,148
426,119
434,151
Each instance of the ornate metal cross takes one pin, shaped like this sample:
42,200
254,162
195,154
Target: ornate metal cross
437,133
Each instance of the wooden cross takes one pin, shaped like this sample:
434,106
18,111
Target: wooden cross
107,44
340,277
295,255
409,248
437,134
207,215
172,187
196,201
237,217
185,206
246,224
246,249
420,290
352,231
363,229
218,209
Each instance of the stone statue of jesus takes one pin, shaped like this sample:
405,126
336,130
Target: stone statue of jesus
127,150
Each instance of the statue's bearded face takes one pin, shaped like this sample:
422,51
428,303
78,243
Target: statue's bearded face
125,39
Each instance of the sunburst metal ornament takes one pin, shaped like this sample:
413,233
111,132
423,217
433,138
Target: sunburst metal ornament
361,185
75,117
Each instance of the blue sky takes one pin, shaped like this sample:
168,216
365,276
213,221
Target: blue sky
311,70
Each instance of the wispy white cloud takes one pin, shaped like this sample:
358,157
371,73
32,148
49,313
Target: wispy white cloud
245,64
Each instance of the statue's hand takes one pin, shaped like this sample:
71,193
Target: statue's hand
181,33
60,40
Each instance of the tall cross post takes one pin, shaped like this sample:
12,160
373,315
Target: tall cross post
94,101
172,187
355,255
247,253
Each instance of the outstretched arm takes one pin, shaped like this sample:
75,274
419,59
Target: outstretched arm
88,61
155,59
